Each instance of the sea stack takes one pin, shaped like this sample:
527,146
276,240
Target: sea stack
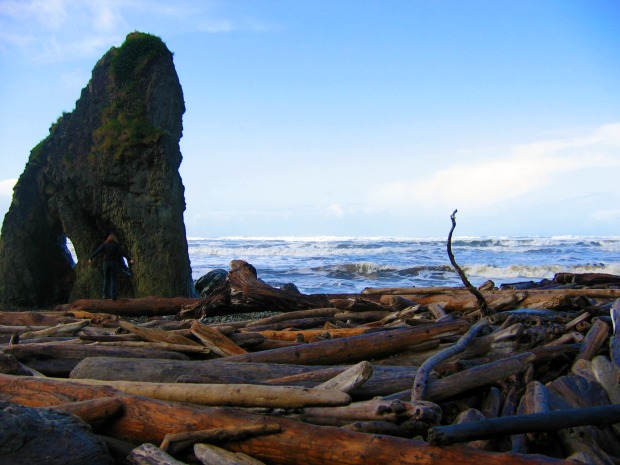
109,166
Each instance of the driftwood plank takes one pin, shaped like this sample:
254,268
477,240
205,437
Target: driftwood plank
216,341
240,395
355,348
309,334
157,335
149,454
596,337
214,455
145,306
59,359
349,379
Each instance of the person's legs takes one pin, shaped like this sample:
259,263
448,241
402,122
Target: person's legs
113,278
107,279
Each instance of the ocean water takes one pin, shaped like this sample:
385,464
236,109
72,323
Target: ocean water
351,264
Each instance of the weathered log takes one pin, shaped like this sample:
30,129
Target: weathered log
147,420
299,314
419,385
58,359
62,329
614,343
157,335
244,292
350,379
239,395
209,454
460,291
459,300
216,341
301,323
248,340
536,400
384,380
569,392
357,304
469,416
20,329
308,334
98,318
491,403
547,421
105,336
362,317
373,410
270,344
188,349
377,427
313,375
145,306
463,381
595,338
608,375
26,318
92,411
356,348
149,454
177,442
586,279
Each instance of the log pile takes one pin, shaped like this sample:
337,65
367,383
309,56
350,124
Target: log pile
407,376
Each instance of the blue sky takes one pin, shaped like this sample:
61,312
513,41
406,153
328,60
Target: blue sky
353,117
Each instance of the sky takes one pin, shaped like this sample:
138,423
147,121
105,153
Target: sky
353,117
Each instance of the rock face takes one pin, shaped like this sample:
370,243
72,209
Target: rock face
110,166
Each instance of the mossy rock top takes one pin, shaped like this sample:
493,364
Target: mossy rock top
138,50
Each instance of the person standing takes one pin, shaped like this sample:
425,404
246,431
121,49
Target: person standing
112,259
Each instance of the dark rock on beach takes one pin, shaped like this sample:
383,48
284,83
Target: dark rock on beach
109,166
29,435
208,283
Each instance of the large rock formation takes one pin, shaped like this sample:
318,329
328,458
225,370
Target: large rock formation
110,166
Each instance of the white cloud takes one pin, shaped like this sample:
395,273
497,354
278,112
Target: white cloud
336,210
525,169
6,188
51,31
607,215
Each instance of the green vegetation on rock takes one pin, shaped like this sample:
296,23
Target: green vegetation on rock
135,54
124,128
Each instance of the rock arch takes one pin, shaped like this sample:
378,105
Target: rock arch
111,165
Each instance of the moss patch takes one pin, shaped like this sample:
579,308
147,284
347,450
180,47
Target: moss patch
135,54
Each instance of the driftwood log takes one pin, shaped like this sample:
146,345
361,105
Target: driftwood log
461,300
535,422
239,395
148,421
145,306
58,359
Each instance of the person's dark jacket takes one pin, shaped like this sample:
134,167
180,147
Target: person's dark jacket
111,252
